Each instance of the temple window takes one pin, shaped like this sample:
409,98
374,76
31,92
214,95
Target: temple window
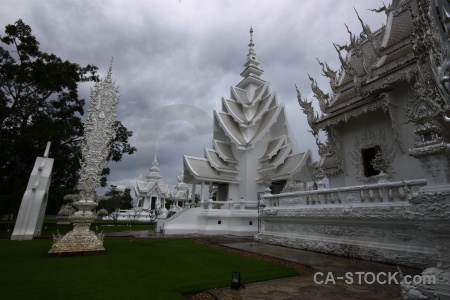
368,155
153,205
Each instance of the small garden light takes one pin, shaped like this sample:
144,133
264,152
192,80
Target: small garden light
236,281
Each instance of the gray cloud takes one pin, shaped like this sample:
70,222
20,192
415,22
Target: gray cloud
174,60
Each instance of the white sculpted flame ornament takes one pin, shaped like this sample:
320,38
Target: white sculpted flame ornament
98,133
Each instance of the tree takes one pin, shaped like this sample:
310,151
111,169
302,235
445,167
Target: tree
116,199
38,103
135,212
153,214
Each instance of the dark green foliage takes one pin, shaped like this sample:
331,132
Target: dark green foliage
56,199
39,102
116,199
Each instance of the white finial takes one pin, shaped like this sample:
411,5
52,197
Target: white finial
155,162
181,177
251,39
251,53
109,74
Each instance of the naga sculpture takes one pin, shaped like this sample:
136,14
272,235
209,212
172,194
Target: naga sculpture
319,94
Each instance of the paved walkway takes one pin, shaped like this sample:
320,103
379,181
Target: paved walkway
303,286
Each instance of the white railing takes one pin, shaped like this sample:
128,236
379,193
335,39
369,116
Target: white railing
231,204
369,193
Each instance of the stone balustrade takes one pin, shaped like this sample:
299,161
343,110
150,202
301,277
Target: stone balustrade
231,204
369,193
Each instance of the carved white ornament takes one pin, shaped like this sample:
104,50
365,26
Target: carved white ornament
370,139
95,148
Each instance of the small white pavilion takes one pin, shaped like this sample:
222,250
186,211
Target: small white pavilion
152,193
180,195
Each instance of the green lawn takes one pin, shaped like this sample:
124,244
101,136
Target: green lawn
131,269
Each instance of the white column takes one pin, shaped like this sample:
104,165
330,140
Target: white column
193,192
202,188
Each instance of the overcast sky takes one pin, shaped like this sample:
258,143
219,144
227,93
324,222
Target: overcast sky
175,59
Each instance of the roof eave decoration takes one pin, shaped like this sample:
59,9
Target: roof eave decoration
225,154
236,136
278,160
159,189
252,71
197,176
266,122
282,155
302,171
250,79
263,107
295,172
239,94
220,166
273,147
260,91
232,111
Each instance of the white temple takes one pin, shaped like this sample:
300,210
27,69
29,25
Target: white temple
180,195
154,198
386,156
251,142
152,193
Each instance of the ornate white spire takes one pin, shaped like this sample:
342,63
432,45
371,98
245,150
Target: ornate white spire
181,177
154,171
155,164
251,52
251,65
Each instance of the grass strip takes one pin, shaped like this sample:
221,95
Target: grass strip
131,269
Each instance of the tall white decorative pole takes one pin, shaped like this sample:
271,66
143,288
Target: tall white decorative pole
98,134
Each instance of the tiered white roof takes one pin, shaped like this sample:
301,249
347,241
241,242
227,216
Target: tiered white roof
251,118
154,182
181,190
376,64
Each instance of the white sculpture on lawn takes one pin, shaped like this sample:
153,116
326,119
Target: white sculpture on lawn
98,133
32,209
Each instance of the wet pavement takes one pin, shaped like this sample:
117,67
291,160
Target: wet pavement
336,274
336,277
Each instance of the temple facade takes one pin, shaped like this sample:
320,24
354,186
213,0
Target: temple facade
152,193
386,124
251,143
367,115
